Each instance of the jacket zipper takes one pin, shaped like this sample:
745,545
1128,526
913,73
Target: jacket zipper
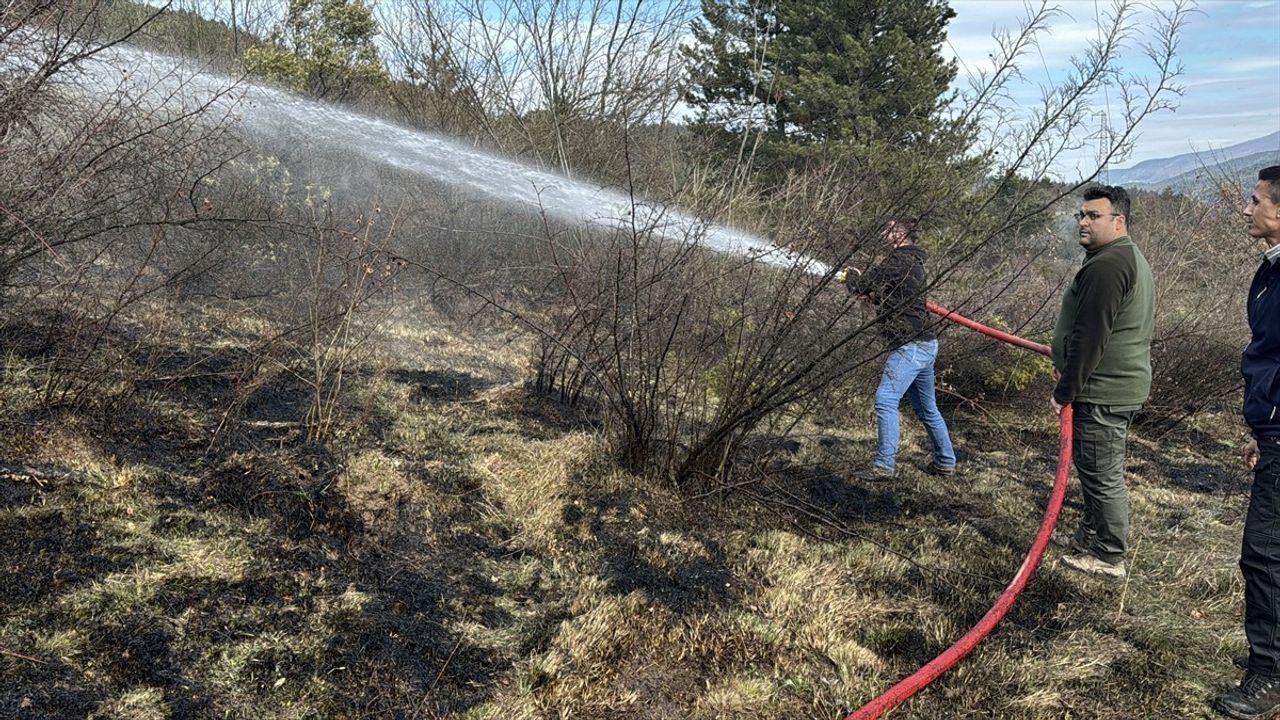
1265,287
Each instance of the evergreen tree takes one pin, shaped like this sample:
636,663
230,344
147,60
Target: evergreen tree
324,47
819,73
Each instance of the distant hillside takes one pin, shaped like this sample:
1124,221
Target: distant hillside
1192,172
1242,172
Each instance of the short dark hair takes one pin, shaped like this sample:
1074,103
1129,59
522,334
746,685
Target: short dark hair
909,224
1271,176
1118,196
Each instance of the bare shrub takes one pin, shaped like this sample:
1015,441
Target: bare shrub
690,349
101,189
562,83
312,285
351,268
1202,261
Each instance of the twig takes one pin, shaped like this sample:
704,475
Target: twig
446,664
719,487
1124,591
41,475
20,656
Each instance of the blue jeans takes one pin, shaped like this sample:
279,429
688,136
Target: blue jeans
909,370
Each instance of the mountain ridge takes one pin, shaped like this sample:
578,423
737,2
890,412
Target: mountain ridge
1158,173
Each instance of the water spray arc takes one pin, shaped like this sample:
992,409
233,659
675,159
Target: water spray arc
166,83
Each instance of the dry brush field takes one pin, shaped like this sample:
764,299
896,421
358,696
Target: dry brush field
468,549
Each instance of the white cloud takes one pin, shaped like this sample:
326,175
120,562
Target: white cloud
1208,82
1251,64
1221,51
1068,34
1238,115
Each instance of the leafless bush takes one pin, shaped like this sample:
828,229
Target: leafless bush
559,82
691,350
1202,261
310,279
350,270
100,190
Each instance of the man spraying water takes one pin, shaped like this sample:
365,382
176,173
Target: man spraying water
897,288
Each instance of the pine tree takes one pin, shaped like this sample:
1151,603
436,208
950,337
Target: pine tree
819,73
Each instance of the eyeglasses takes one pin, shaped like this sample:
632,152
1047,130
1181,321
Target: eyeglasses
1094,216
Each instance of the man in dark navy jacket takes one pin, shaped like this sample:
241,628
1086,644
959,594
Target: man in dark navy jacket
1258,695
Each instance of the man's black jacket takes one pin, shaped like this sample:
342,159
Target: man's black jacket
897,286
1261,361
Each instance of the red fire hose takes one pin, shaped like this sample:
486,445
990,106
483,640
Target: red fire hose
936,667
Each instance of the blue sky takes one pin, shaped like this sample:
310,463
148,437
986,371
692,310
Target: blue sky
1230,52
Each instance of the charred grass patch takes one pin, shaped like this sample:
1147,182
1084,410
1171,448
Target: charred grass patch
469,550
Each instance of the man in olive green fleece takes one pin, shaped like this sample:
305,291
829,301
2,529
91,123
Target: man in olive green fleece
1102,352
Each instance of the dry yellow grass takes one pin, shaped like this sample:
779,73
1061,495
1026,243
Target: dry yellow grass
146,703
470,552
528,485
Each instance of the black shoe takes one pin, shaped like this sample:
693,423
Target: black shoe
933,468
874,473
1257,698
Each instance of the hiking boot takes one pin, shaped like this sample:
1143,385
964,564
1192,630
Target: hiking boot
1257,698
1090,563
875,473
933,468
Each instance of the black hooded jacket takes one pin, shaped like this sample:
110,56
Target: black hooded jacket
1261,360
897,287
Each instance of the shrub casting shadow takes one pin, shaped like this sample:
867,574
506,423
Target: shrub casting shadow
683,584
441,384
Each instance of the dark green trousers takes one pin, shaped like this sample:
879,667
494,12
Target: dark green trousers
1098,451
